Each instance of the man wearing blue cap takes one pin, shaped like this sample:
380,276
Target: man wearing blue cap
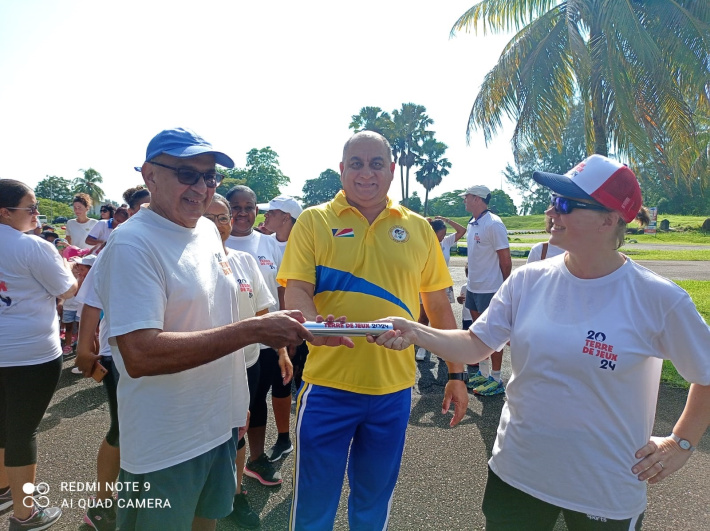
169,298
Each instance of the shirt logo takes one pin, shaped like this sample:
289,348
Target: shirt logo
6,300
399,234
223,264
343,233
265,262
245,287
596,345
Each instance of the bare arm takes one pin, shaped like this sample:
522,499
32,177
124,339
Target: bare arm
70,292
505,262
90,240
150,352
460,229
85,355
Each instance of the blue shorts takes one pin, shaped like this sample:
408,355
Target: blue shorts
204,486
478,302
330,423
70,316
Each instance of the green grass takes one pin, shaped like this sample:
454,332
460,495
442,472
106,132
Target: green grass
665,254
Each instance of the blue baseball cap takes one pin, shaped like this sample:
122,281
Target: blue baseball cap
184,143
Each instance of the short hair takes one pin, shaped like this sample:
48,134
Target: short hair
135,194
217,198
240,188
84,199
121,212
486,199
110,209
12,192
437,225
369,134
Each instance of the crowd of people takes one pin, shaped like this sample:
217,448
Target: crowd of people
220,324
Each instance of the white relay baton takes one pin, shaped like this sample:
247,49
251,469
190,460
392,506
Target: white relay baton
337,328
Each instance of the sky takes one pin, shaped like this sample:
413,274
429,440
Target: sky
88,84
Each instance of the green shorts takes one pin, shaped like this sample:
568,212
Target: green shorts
170,498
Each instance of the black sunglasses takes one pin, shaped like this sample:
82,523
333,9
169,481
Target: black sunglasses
565,205
190,177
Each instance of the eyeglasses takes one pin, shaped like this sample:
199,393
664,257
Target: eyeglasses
32,209
565,205
222,219
191,177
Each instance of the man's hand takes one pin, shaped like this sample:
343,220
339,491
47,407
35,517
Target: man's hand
457,393
85,360
284,328
332,341
660,457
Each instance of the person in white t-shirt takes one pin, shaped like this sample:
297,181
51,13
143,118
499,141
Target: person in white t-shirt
268,254
438,224
168,295
254,299
78,229
574,332
32,276
103,229
542,250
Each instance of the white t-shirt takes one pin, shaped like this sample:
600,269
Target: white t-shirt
586,356
102,230
536,252
484,237
79,231
282,245
87,295
267,254
253,295
465,312
157,274
32,275
446,244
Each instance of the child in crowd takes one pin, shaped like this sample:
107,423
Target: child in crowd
71,308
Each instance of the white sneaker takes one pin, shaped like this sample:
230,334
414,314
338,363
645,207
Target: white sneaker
76,370
421,354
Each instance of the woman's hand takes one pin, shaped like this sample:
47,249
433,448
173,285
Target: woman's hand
401,338
659,459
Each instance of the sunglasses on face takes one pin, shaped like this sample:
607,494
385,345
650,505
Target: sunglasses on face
32,209
191,177
565,205
222,219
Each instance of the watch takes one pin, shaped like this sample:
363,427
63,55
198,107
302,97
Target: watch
684,445
463,376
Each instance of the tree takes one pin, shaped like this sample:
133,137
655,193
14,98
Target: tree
433,166
410,130
232,178
321,189
448,204
263,174
55,188
641,69
502,204
372,119
415,203
88,183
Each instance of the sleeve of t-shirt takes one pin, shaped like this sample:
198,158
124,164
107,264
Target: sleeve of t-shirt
132,290
683,337
261,290
495,323
435,275
500,236
97,231
47,267
535,253
299,259
449,240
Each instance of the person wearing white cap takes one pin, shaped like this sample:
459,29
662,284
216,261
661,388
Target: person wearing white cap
281,215
489,264
575,431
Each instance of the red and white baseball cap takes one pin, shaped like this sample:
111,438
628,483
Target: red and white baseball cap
598,178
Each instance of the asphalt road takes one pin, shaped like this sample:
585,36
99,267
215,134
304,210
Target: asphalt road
443,473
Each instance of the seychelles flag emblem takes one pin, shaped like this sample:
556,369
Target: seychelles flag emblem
343,233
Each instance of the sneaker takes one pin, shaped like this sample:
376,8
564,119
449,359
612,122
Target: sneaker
476,380
101,518
421,354
242,514
490,388
41,518
6,500
263,471
278,451
76,370
67,350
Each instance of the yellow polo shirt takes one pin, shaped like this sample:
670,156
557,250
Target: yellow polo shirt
364,272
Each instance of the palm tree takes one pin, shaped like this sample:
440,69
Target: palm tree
433,167
410,130
89,184
641,68
375,119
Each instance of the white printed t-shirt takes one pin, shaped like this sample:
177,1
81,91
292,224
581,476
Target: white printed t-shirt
79,231
253,295
446,244
536,252
157,274
484,237
585,374
267,254
32,275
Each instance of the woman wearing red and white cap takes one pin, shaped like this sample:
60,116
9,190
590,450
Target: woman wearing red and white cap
576,335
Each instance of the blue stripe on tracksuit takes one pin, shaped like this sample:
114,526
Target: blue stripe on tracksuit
327,422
